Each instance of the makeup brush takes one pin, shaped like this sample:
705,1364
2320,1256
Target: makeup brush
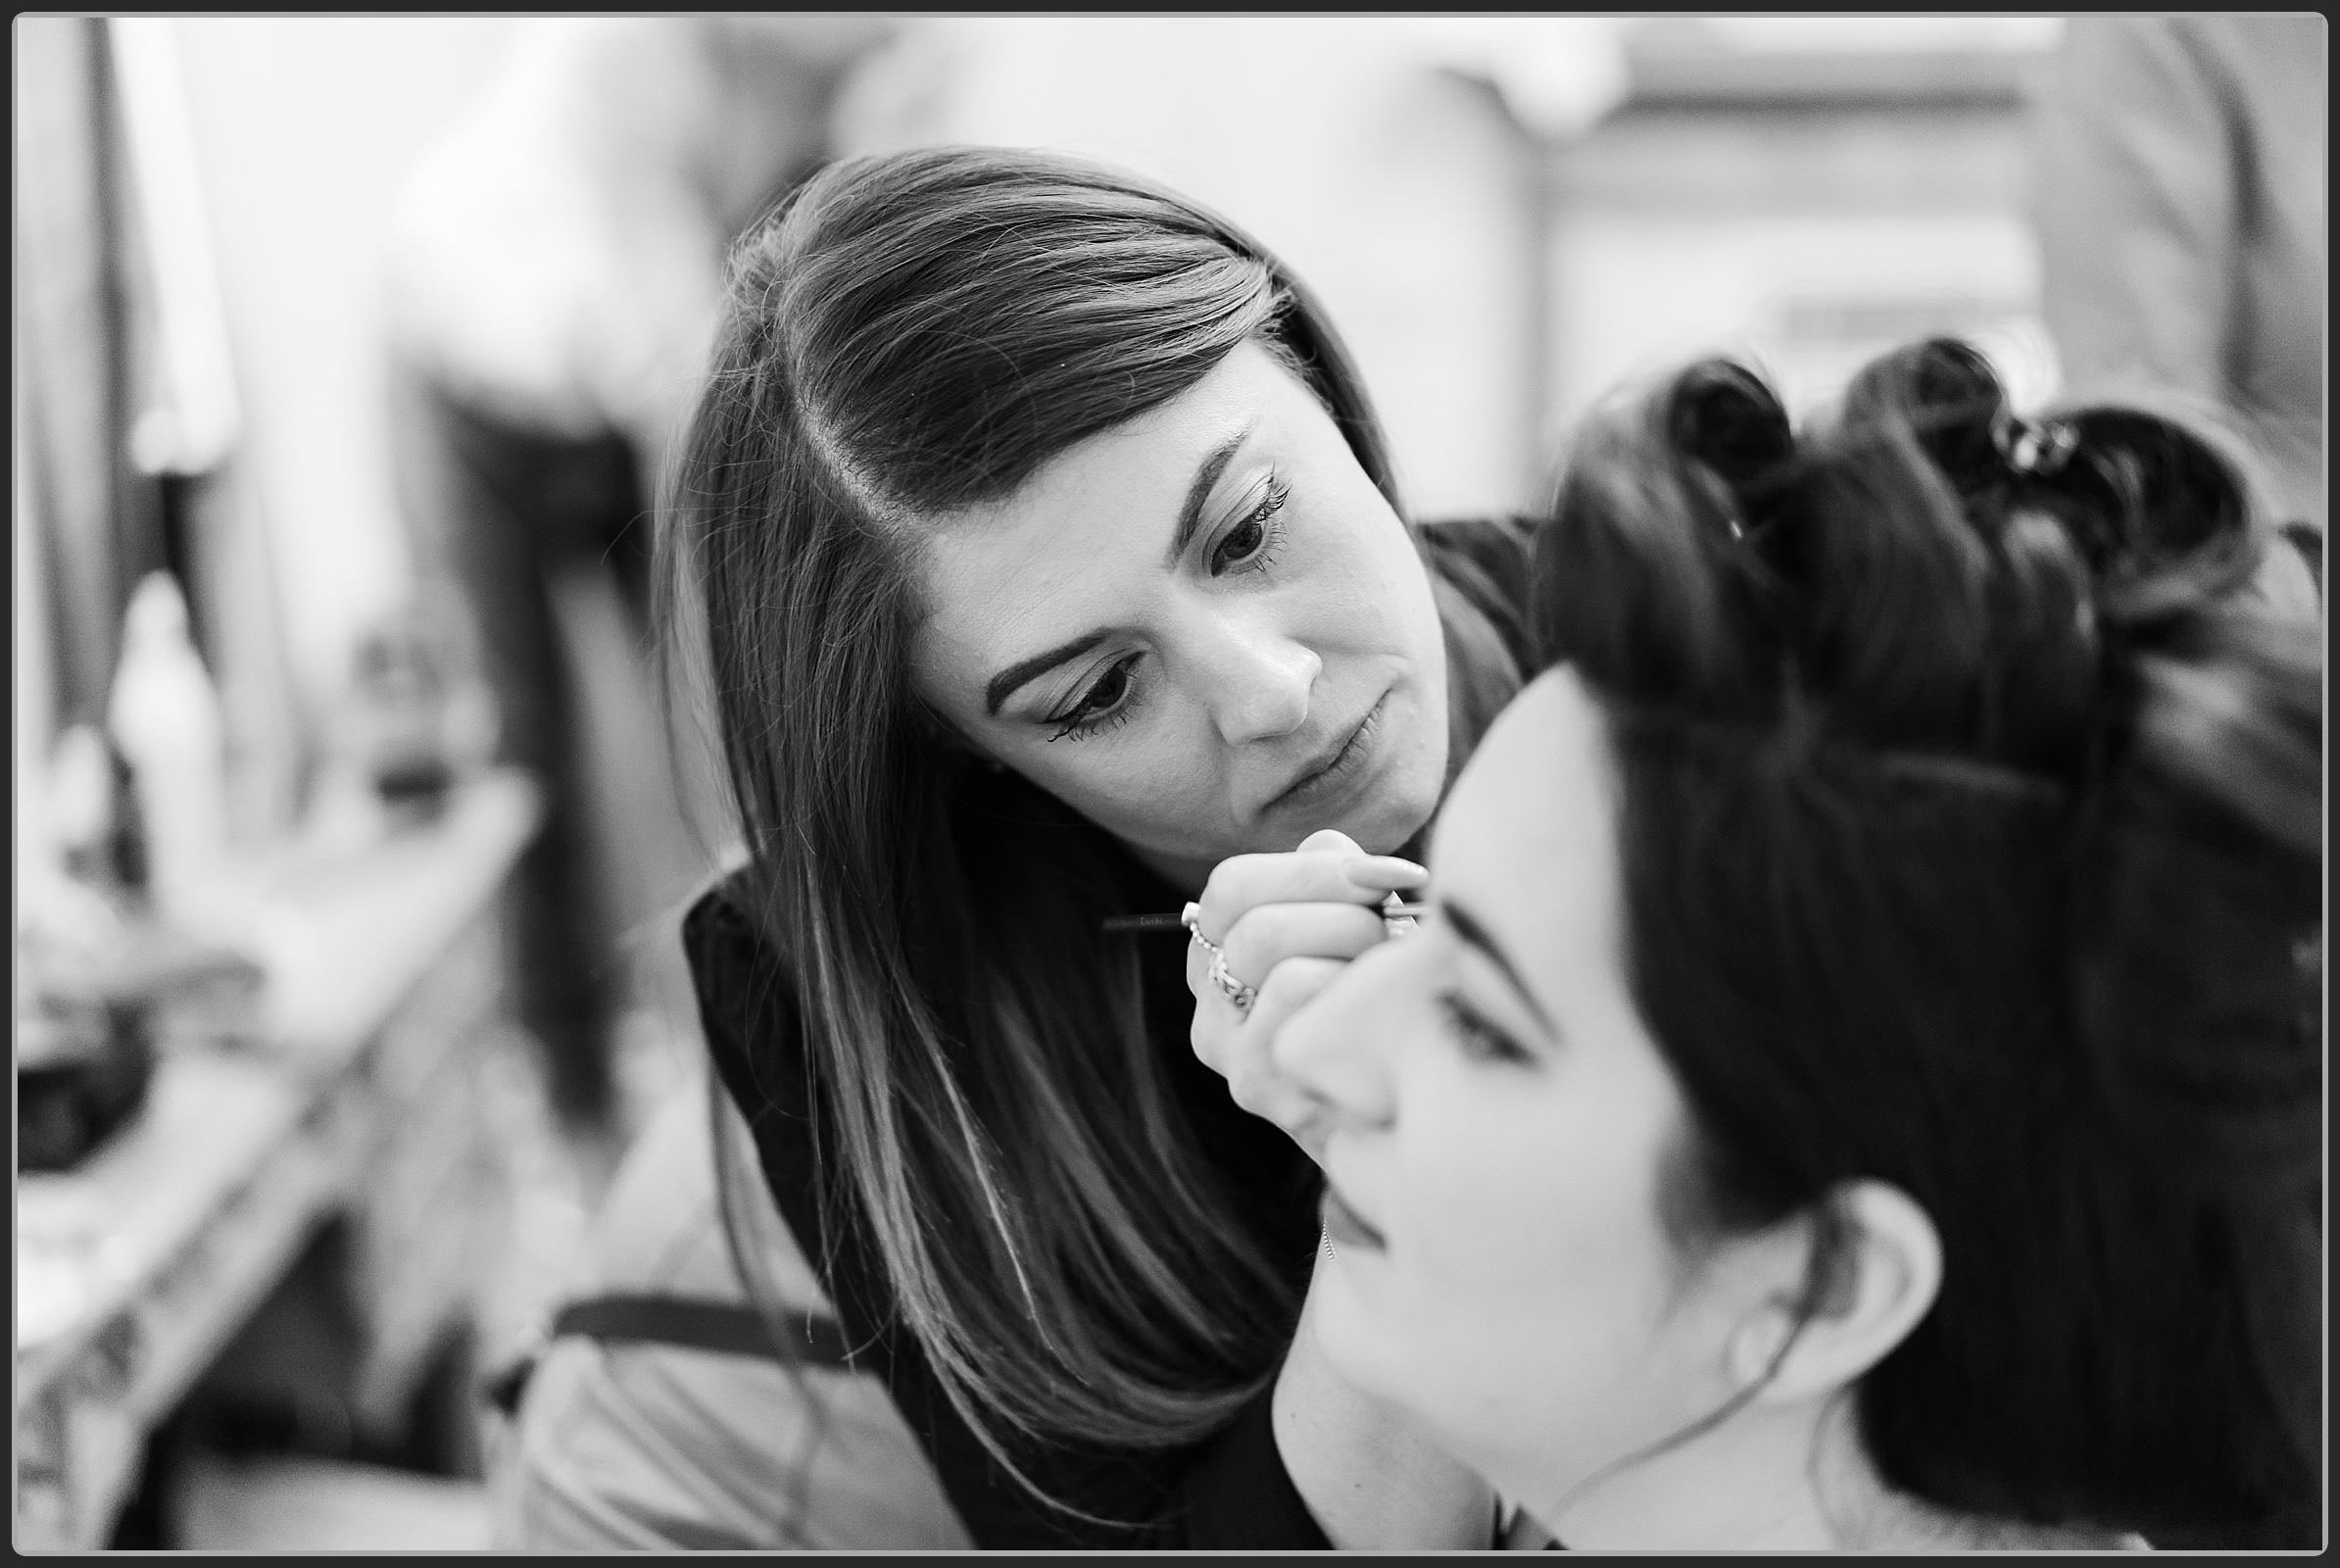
1172,923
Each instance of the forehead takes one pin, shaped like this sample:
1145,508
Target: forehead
1067,550
1528,838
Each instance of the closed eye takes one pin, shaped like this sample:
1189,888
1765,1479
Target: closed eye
1479,1036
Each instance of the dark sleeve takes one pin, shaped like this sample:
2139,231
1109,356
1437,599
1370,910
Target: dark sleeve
1229,1490
2308,540
1238,1495
1492,561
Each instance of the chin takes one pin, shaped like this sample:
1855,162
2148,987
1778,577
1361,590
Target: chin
1381,1360
1345,1331
1396,814
1386,830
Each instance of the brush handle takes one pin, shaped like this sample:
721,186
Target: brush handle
1171,922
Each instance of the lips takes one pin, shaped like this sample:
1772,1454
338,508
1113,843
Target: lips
1335,763
1345,1226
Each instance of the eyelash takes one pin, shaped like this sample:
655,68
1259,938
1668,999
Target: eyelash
1079,728
1075,726
1480,1039
1271,529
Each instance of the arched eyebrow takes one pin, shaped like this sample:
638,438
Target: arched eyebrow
1004,684
1467,927
1206,473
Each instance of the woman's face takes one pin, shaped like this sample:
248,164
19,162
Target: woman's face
1204,629
1501,1120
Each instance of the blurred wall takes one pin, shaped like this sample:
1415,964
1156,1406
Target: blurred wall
302,124
1370,153
1804,193
1492,276
1403,192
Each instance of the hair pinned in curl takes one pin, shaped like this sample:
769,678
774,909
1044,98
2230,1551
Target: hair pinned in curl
1971,818
2035,449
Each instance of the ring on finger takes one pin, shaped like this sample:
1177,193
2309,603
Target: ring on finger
1192,918
1233,990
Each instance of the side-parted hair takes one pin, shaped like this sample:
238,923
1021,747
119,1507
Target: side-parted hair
1971,826
906,335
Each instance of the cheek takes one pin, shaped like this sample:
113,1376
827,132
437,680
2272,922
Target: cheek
1532,1217
1367,578
1136,786
1529,1280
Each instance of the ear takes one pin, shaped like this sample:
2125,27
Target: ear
1874,1266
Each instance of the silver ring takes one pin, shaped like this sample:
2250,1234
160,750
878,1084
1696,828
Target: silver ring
1192,918
1233,990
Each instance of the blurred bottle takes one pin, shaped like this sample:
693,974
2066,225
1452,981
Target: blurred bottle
164,717
91,820
418,716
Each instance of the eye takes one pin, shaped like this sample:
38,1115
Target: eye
1110,702
1250,545
1480,1038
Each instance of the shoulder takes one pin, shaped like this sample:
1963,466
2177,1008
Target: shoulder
1491,543
747,1002
718,927
657,1446
1490,562
732,964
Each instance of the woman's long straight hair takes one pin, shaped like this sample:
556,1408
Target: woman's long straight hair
906,336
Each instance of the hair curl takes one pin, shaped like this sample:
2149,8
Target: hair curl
1972,838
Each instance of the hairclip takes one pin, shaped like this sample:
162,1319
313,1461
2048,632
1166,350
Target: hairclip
2037,449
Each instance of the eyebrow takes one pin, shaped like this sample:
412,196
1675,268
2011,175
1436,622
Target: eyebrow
1467,926
1190,517
1206,473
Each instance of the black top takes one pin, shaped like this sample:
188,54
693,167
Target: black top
1230,1490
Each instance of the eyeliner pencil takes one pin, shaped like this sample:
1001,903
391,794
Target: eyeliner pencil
1171,922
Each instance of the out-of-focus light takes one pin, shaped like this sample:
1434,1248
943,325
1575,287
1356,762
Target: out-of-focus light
1884,34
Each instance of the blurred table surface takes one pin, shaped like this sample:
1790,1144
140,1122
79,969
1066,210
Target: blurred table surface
136,1266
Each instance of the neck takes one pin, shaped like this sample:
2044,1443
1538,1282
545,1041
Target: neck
1794,1479
1180,871
1723,1491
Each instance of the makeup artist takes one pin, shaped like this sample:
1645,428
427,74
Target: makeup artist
1047,556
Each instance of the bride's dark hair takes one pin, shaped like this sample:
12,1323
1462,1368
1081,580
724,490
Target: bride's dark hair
1970,815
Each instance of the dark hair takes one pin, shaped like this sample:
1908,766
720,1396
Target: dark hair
1970,827
906,335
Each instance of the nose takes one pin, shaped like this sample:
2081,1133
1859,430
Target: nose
1339,1046
1258,677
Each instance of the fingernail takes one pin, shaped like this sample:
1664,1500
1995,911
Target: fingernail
1381,871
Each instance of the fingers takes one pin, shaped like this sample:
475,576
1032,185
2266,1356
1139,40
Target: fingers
1324,875
1286,990
1237,1046
1271,933
1282,925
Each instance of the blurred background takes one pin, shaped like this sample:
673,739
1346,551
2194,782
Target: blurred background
350,828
